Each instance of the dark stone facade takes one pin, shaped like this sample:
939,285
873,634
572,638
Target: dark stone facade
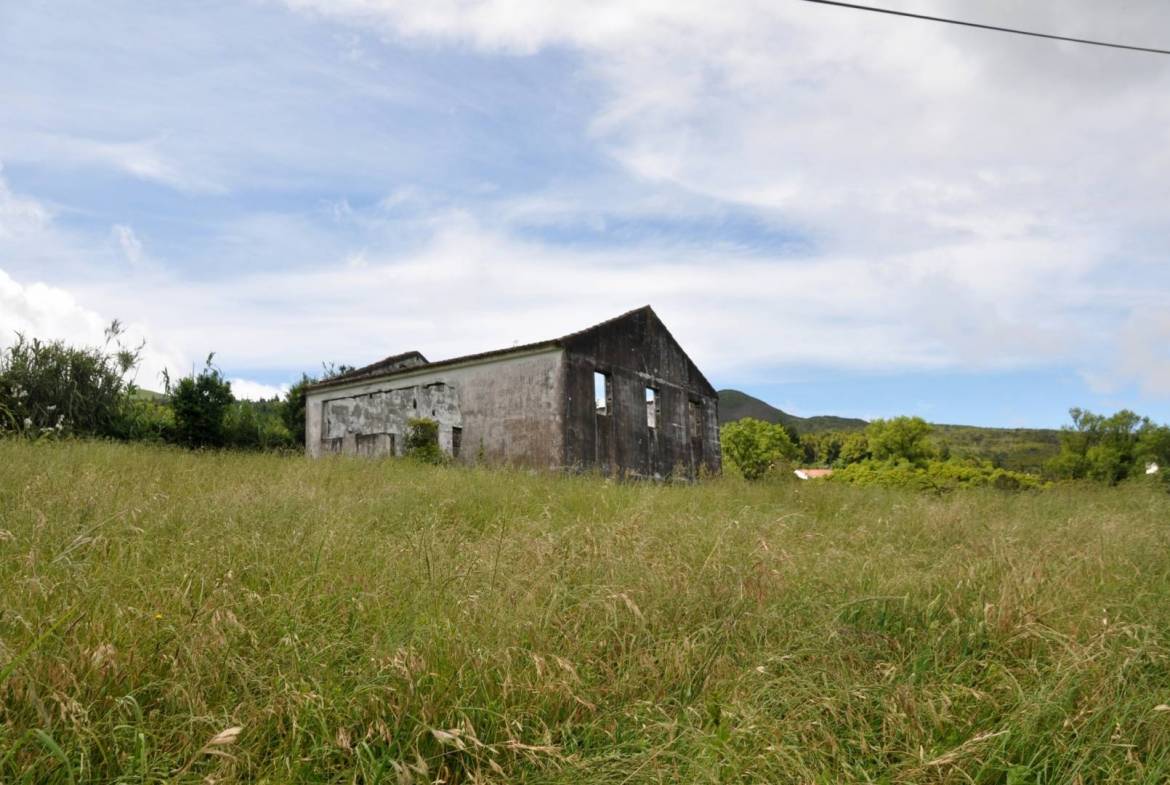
635,352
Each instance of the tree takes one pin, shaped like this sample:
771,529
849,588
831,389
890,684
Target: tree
293,410
900,439
854,449
754,446
1153,446
1109,449
200,404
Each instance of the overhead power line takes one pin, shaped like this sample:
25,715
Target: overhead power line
996,28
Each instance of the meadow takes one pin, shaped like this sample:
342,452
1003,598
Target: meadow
173,616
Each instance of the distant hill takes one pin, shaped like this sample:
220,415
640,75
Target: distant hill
735,405
149,395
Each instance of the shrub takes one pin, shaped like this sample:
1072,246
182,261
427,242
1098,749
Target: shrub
422,441
755,447
200,404
251,425
938,476
148,419
49,386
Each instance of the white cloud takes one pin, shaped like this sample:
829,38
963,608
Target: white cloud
1144,351
968,192
245,389
129,243
735,310
20,216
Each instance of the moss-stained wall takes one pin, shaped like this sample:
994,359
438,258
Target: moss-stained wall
508,409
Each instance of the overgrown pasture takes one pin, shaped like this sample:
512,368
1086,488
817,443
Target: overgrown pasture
216,617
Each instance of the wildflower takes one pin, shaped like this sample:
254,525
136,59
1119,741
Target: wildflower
28,422
158,617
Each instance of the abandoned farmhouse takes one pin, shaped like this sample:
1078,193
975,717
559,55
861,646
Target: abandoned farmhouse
621,396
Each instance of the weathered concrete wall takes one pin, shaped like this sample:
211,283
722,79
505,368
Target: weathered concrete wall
509,410
375,423
637,352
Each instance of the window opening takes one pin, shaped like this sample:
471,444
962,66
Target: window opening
651,407
695,419
456,441
602,392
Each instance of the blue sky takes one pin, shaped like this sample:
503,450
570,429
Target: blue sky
840,213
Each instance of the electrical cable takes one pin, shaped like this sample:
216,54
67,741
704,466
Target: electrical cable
996,28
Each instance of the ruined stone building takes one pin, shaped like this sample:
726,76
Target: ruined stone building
621,396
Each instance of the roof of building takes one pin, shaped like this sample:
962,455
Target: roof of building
387,366
395,362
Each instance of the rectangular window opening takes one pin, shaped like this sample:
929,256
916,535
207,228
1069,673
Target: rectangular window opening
456,441
602,392
651,407
695,418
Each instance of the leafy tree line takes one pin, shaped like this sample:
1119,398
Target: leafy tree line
52,389
1111,449
903,452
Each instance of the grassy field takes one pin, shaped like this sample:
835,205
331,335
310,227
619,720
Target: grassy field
168,616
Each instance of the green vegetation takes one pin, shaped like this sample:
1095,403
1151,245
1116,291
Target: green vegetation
422,441
901,453
1110,449
50,388
937,476
1016,449
822,438
200,404
176,616
292,413
755,448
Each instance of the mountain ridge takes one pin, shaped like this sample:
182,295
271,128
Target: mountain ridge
736,405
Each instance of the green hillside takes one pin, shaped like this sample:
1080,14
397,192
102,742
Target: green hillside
735,405
1018,449
149,395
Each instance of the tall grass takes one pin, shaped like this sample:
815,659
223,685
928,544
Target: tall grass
169,616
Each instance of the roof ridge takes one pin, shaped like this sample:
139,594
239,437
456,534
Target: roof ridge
609,321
